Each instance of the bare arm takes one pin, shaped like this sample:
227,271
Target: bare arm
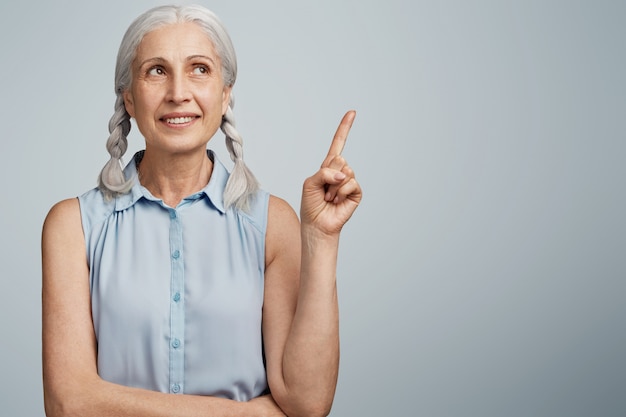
72,386
300,318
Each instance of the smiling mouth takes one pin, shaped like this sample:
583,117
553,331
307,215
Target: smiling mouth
178,120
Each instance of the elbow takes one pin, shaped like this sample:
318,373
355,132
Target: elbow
305,405
316,410
307,397
313,410
65,402
56,406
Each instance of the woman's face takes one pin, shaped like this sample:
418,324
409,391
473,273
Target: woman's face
177,96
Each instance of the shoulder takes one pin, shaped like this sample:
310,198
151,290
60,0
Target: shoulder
62,224
73,216
279,211
283,228
63,213
256,213
94,208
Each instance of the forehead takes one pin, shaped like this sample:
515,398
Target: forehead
176,40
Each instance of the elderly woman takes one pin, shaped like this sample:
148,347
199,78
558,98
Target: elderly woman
177,288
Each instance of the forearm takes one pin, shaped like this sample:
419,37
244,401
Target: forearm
303,329
311,357
98,398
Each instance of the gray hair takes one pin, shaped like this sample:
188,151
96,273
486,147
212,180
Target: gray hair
241,184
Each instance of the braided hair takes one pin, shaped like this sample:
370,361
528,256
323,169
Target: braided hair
111,180
242,184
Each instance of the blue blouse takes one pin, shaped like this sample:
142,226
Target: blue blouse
177,293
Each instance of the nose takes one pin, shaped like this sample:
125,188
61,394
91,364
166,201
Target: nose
178,89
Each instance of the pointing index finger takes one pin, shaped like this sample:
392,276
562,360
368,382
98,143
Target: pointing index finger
341,135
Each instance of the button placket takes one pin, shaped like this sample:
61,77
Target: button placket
177,305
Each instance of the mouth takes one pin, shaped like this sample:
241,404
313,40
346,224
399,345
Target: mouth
178,120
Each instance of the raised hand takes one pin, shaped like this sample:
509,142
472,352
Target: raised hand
331,195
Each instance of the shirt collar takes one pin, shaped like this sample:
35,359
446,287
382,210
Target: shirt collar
214,190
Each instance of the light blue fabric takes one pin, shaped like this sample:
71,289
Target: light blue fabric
177,293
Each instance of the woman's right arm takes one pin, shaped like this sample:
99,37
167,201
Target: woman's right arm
72,386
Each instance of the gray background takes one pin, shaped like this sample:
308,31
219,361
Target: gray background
484,273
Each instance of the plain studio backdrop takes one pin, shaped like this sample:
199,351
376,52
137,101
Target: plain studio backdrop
484,273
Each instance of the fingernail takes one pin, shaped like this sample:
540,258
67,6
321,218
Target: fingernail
340,176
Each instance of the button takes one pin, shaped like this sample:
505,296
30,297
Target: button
172,214
176,254
175,388
176,297
176,343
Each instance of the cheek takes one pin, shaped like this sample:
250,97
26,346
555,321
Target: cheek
212,103
144,103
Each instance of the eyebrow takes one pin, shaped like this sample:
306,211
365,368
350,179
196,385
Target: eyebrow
160,60
208,58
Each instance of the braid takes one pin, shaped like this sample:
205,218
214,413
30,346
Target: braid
111,180
242,184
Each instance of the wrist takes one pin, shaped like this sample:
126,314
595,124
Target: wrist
312,235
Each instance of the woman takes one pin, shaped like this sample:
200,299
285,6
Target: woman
176,277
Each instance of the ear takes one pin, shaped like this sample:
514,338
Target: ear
226,98
129,102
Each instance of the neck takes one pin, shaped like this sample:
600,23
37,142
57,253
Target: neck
174,177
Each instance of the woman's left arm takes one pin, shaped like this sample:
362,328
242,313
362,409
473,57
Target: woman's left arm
300,313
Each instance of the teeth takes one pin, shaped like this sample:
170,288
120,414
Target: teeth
179,120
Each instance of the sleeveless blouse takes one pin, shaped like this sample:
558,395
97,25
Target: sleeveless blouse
177,292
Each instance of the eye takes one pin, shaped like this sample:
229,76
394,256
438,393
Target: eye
201,70
156,71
